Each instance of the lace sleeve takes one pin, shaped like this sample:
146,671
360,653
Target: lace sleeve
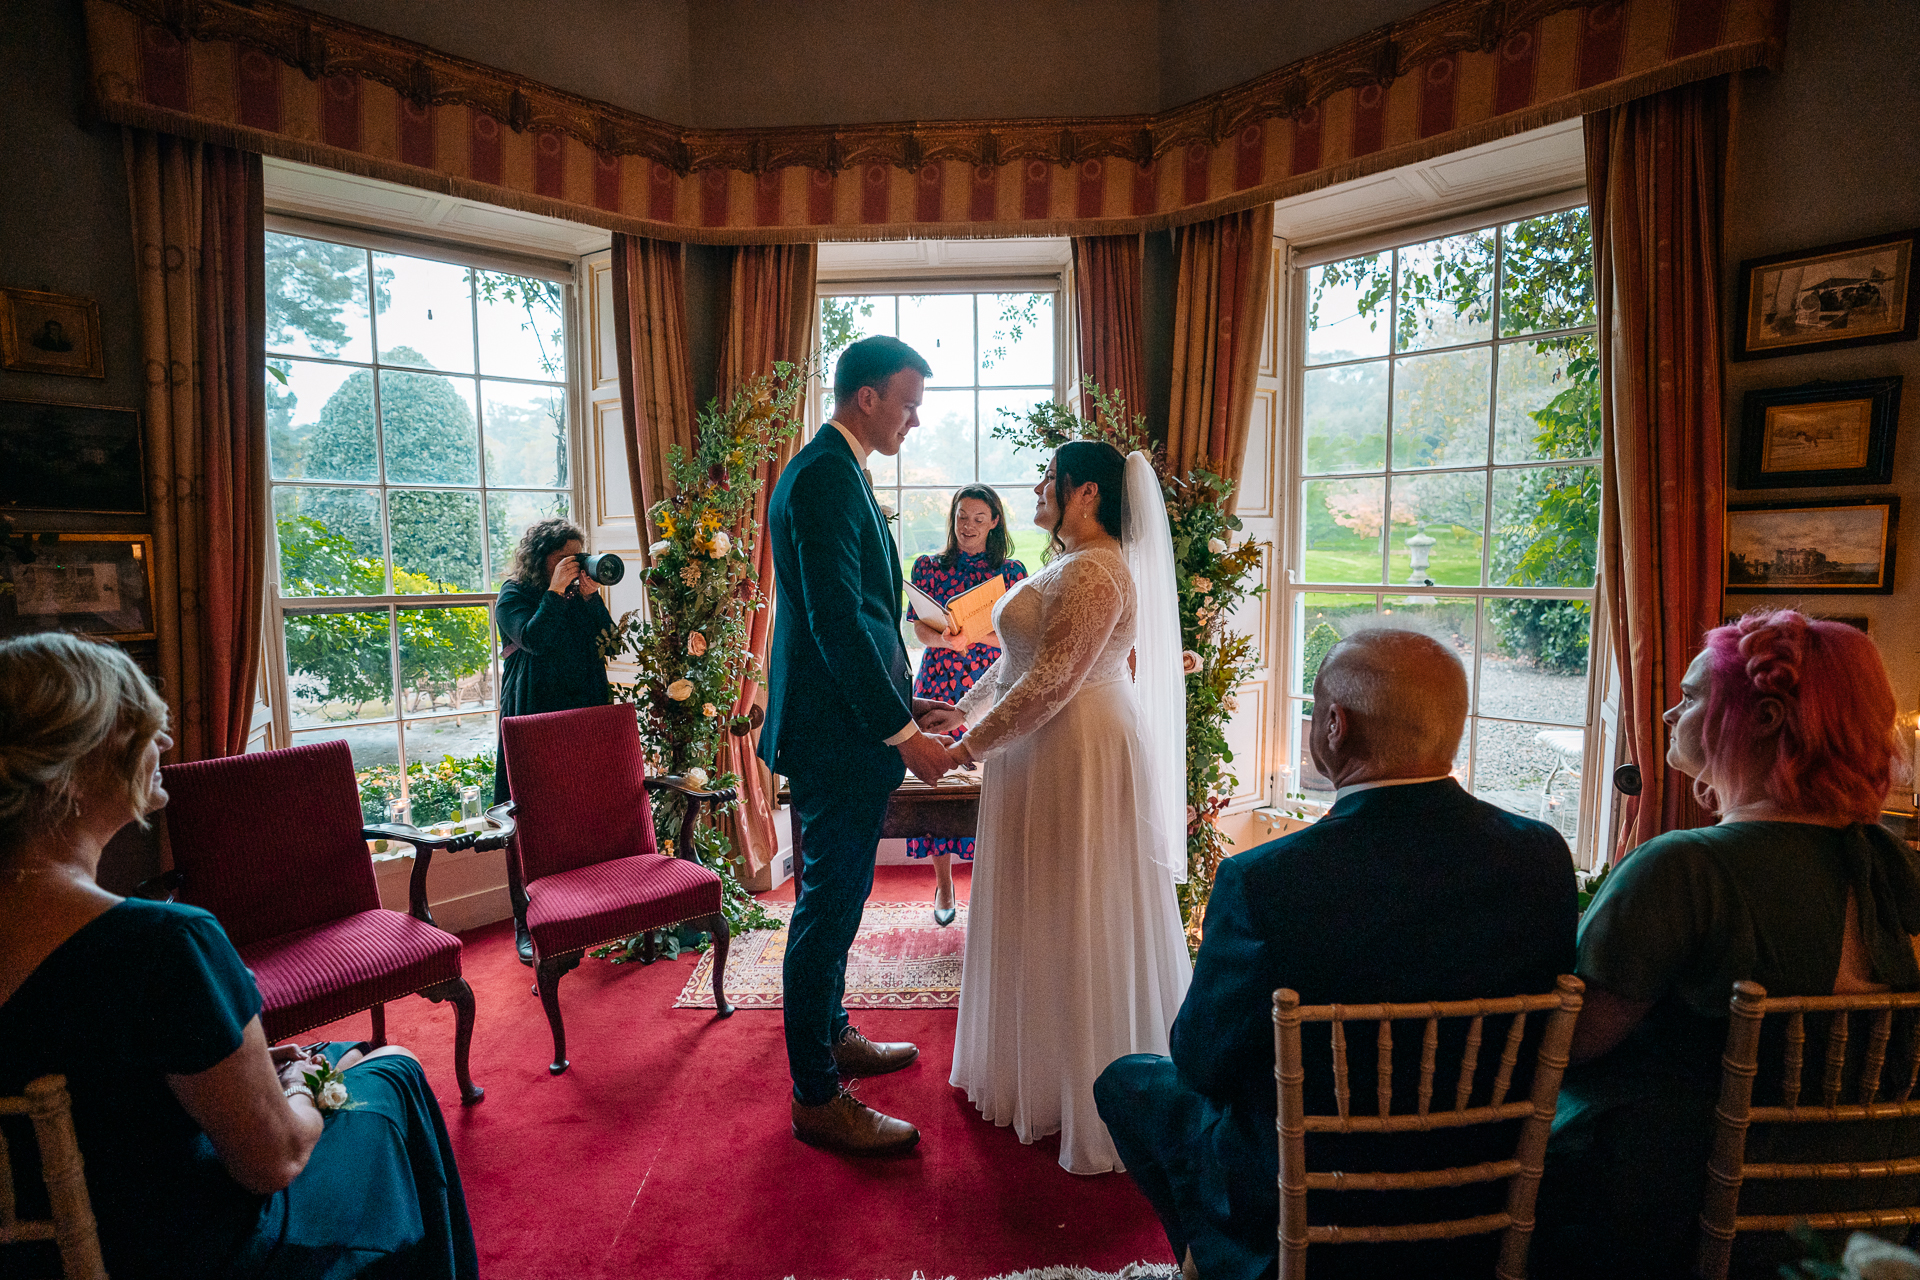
1077,618
978,700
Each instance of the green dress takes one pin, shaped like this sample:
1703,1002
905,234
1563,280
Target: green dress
151,989
553,661
1676,925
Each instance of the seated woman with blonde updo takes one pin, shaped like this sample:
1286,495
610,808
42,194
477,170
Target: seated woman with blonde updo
206,1153
1786,725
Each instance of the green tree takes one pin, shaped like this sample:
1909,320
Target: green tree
309,284
839,325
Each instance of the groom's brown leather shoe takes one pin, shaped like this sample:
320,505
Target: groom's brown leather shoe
856,1055
848,1125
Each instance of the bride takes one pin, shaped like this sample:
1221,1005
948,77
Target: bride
1075,953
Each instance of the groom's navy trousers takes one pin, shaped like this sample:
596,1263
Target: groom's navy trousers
837,689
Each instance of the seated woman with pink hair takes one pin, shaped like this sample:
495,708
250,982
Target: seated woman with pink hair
1786,725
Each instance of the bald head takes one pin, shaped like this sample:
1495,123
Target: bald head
1388,703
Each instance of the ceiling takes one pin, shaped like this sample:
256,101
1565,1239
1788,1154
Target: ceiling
737,63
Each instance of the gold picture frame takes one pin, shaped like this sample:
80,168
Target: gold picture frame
1839,295
1818,434
50,333
98,584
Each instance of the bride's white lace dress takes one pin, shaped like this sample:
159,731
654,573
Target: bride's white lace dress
1075,954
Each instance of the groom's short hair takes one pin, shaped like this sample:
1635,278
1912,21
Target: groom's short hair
870,362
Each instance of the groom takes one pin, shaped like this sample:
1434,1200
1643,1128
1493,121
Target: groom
841,726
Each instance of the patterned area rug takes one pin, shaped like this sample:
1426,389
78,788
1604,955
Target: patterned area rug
1132,1271
900,960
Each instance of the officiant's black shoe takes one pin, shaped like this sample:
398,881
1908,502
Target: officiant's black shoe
523,942
848,1125
856,1055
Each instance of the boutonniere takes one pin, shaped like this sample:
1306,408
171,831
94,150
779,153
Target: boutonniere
887,513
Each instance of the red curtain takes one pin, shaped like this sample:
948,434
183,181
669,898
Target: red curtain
200,243
656,376
1655,178
1219,322
1107,304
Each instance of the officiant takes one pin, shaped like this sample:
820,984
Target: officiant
977,546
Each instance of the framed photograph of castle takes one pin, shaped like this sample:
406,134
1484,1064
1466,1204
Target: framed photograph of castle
1840,295
1822,433
1830,546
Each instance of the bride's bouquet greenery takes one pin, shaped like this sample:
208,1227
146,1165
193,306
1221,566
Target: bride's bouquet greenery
1214,577
689,647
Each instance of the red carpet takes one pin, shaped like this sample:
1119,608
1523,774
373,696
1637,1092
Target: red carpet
664,1152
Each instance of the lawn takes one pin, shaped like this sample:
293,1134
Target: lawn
1344,556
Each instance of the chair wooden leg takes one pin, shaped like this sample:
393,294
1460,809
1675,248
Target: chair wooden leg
461,995
379,1012
716,924
547,972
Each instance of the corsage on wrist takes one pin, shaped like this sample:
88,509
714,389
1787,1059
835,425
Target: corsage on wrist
326,1086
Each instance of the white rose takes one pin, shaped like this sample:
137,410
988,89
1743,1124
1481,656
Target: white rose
707,710
333,1095
696,643
721,543
661,547
1203,585
1231,704
1189,662
697,777
1216,546
680,690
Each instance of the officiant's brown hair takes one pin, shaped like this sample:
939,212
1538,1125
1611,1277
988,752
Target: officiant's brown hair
997,542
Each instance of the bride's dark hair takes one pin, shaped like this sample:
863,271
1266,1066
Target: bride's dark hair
1079,462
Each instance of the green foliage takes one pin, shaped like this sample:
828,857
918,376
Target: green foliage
1319,643
840,325
309,283
1019,312
1552,634
540,301
433,787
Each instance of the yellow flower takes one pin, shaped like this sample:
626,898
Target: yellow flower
666,523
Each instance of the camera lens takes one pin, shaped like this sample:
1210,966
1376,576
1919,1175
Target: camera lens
604,568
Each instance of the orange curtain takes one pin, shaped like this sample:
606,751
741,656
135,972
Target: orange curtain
1107,305
1655,177
656,376
769,319
199,233
1219,321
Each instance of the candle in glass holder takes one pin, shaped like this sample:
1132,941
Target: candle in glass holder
469,804
400,811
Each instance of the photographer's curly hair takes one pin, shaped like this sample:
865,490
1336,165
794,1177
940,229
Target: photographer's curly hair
542,539
65,701
1836,744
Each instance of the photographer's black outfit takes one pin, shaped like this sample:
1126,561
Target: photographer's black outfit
553,663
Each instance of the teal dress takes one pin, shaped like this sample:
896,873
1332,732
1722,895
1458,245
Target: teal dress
150,989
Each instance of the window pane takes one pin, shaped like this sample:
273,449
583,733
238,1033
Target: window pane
1535,666
940,450
427,429
1530,769
1001,463
1347,309
436,541
940,327
443,755
1302,775
1440,409
1437,524
425,317
1320,621
922,529
1546,277
1546,521
320,421
329,541
522,333
1446,291
1448,619
317,299
847,320
1016,339
1345,411
1342,528
1549,401
376,763
445,660
526,434
508,515
339,667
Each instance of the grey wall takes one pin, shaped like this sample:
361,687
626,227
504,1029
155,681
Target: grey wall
1828,150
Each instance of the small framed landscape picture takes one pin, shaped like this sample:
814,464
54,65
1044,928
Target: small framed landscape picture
1822,433
1824,546
70,457
1843,295
99,584
50,333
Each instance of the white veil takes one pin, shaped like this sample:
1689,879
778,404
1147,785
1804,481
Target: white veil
1160,684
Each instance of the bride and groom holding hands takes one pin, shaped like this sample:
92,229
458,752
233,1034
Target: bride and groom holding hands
1075,951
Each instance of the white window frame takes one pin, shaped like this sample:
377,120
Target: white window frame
277,729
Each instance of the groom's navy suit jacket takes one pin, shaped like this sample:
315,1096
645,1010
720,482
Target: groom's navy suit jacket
838,685
1408,893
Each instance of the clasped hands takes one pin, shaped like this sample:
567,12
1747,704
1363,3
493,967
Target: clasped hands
930,753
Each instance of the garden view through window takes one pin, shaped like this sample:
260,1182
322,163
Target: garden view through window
1449,482
417,424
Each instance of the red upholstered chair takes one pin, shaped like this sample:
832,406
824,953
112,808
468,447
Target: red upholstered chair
583,834
301,905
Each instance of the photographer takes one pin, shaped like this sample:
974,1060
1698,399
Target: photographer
551,616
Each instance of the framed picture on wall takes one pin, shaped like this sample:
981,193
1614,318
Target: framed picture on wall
1821,433
70,457
50,333
99,584
1822,546
1842,295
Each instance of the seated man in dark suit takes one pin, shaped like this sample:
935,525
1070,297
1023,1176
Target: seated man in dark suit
1408,889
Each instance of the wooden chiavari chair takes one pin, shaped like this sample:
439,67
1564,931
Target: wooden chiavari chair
72,1227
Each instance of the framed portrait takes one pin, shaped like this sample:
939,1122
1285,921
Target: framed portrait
70,457
1821,433
50,333
99,584
1823,546
1842,295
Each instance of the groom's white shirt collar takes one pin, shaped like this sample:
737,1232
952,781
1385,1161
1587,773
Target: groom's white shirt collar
862,453
1355,787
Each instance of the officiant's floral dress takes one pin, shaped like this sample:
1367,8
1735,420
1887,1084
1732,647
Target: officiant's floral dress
947,675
